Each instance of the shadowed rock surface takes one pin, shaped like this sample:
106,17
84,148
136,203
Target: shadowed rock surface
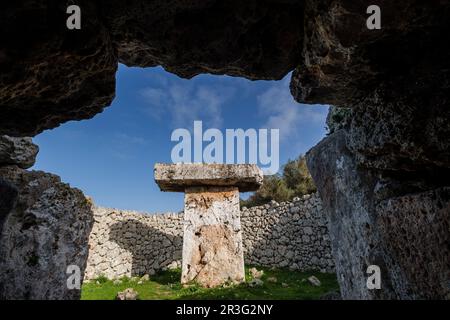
44,227
337,59
387,158
141,249
254,39
17,151
48,74
8,198
46,231
378,219
342,60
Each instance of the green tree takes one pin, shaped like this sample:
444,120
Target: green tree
297,177
294,181
273,188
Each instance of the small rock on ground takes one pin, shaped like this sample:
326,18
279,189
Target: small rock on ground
127,294
256,283
314,281
272,279
145,277
256,274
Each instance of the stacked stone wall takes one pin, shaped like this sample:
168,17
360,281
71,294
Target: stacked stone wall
289,235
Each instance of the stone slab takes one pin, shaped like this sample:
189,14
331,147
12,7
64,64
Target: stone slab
212,242
178,177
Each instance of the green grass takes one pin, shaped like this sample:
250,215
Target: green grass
166,286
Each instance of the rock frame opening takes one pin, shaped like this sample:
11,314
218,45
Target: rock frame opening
388,150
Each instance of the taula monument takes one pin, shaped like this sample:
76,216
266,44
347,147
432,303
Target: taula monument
212,241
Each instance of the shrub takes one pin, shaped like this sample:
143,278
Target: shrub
294,181
101,279
297,177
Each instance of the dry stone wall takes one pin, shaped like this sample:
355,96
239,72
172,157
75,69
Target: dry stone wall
290,235
129,243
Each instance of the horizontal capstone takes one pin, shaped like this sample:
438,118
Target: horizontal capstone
177,177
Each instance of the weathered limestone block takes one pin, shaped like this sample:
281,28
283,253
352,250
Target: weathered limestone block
46,229
212,243
8,198
346,194
17,151
343,61
377,220
177,177
416,227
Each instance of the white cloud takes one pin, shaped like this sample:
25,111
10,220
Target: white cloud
124,146
124,138
282,112
187,102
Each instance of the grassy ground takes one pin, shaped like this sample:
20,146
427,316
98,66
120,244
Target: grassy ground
166,285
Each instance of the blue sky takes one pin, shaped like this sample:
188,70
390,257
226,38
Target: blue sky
111,156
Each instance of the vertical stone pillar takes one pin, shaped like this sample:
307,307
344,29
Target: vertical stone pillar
212,242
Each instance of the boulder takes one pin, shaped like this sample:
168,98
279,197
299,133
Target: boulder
8,198
46,231
17,151
402,130
378,218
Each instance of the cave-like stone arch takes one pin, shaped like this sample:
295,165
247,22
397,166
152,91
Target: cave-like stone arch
386,163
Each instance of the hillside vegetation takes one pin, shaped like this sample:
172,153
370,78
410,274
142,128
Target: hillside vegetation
294,181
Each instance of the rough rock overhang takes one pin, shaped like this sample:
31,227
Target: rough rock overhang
50,75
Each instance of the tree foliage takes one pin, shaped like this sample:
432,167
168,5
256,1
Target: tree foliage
297,177
294,181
